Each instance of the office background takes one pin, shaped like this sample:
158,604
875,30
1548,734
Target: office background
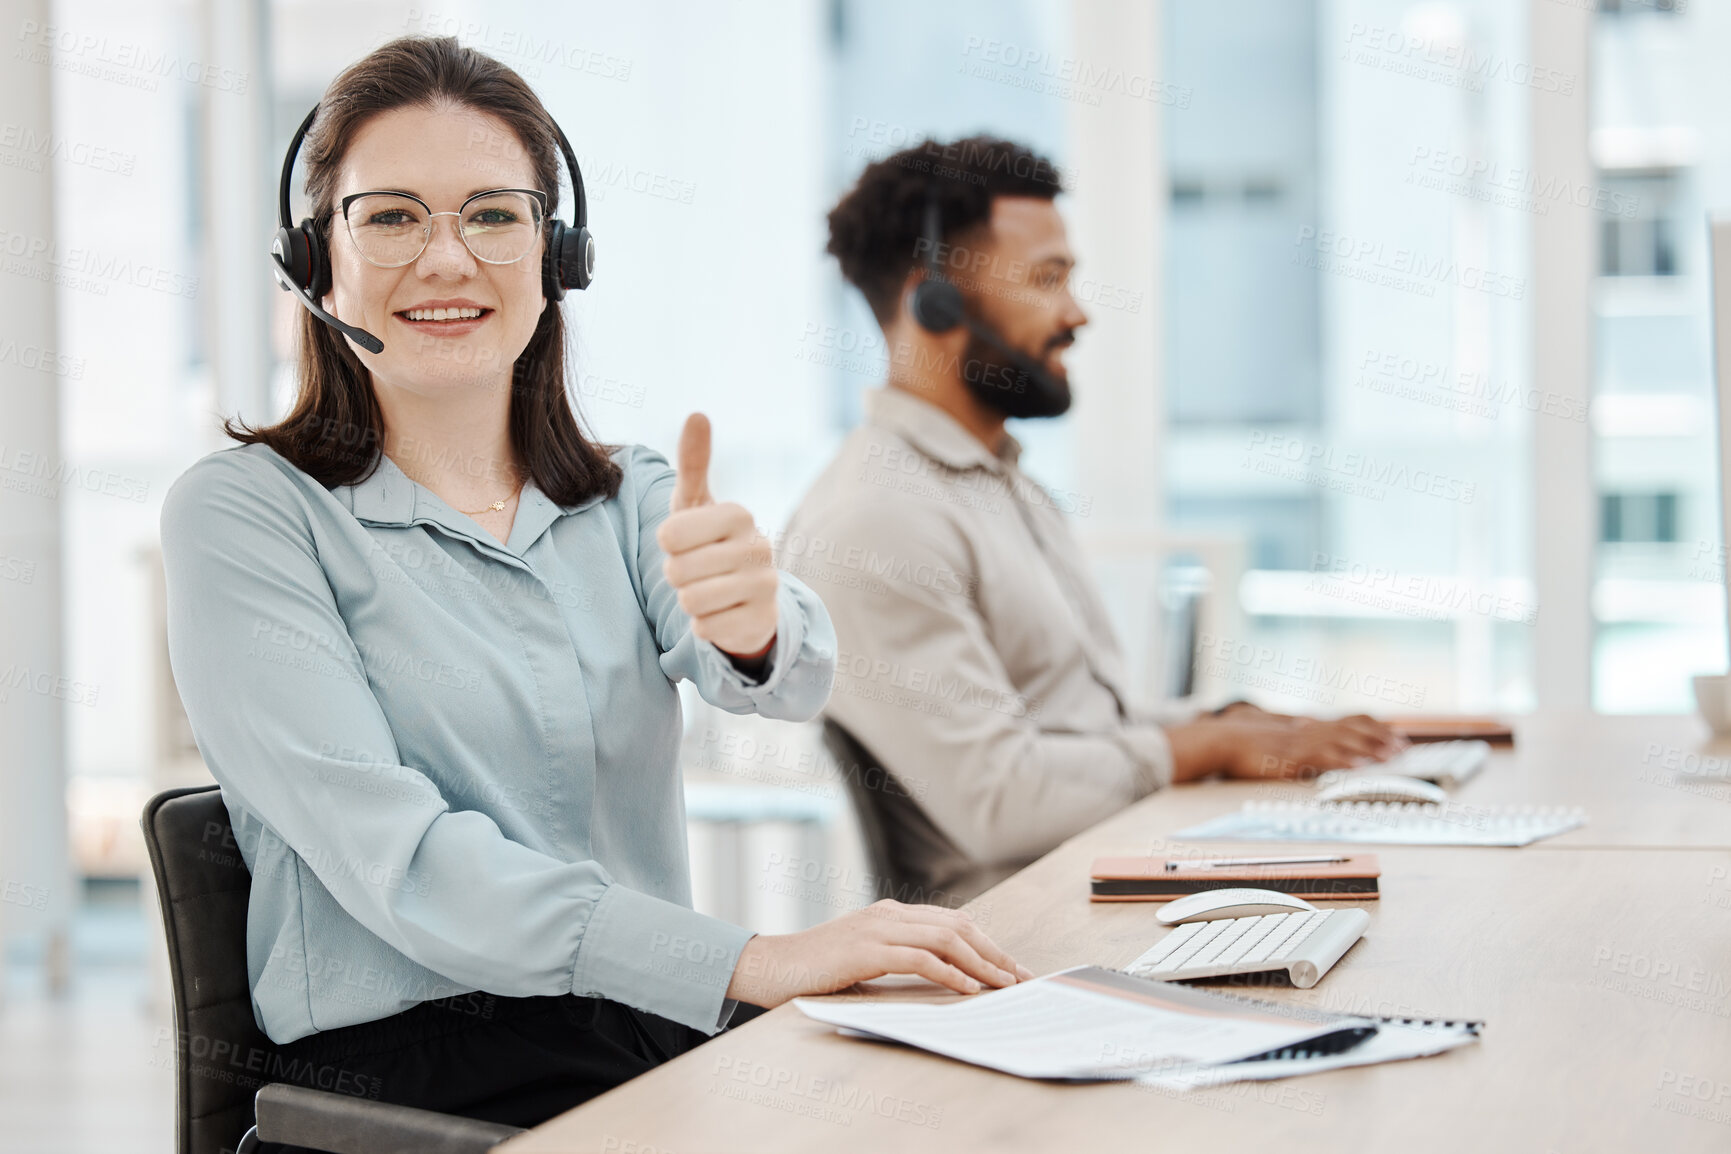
1399,356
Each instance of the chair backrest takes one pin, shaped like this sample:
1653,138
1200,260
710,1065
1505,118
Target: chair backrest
221,1057
1183,592
897,833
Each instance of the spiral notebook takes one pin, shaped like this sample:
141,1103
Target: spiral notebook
1087,1023
1389,1039
1389,823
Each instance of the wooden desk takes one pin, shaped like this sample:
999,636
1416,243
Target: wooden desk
1619,769
1604,976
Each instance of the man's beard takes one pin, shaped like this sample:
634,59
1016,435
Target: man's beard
1012,383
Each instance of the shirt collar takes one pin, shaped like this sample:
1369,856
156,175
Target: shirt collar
388,497
935,433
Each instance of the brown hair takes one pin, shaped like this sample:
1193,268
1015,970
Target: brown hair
335,431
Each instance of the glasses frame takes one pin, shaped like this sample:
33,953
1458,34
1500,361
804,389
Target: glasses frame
427,232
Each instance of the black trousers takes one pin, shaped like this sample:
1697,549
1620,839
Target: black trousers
519,1061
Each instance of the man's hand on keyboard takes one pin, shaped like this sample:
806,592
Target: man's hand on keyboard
1303,747
1242,710
1248,743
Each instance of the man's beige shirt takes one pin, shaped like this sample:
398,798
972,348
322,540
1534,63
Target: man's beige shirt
975,657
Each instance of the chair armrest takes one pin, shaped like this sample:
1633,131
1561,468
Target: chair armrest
342,1124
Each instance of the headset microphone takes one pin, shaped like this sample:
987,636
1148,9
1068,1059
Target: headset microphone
937,306
360,336
1022,362
303,267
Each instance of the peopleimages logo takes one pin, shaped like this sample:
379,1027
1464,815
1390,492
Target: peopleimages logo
1468,391
1399,268
529,45
1415,595
27,143
39,474
109,59
1447,60
1262,666
1484,178
38,255
1069,77
1359,474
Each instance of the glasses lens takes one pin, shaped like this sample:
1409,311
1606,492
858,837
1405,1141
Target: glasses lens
389,231
501,227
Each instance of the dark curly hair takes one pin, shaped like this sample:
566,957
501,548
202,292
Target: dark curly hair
874,229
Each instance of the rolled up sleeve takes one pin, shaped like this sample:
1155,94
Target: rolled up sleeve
801,663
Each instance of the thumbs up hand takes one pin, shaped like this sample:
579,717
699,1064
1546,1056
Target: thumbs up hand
716,558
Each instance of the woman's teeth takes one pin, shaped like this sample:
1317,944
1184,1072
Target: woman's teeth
442,314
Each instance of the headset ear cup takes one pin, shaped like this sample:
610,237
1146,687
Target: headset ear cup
318,266
936,306
570,261
290,249
303,256
577,263
552,286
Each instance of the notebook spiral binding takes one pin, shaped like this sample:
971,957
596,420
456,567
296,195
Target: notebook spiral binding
1336,1043
1341,1040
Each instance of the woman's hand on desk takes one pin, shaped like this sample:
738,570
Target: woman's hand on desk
715,557
886,937
1248,744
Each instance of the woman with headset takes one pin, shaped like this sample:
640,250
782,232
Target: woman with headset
427,635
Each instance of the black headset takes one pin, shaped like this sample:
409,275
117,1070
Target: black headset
936,304
304,268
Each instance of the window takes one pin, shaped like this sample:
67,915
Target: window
1346,323
1638,236
1624,7
1638,517
1658,602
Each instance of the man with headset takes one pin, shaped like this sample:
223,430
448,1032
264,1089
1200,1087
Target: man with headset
976,664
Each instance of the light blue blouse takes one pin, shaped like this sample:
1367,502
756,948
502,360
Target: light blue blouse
451,764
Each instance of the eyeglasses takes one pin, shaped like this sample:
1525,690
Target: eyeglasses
391,229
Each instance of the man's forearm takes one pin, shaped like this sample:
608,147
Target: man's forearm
1199,749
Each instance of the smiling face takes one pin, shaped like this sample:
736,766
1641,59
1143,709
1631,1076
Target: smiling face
443,156
1024,292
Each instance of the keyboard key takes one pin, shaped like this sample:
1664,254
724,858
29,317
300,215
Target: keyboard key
1250,939
1449,763
1275,938
1170,942
1210,931
1222,942
1239,946
1311,922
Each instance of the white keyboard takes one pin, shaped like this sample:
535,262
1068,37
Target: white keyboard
1304,944
1388,823
1448,763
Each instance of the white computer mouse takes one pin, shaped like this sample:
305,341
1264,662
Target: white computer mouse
1382,787
1210,905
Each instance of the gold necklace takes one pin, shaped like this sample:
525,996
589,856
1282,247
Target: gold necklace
496,506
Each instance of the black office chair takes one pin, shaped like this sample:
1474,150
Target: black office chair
221,1057
896,831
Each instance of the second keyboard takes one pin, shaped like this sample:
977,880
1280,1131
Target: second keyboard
1305,944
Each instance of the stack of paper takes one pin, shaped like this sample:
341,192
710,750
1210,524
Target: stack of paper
1094,1024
